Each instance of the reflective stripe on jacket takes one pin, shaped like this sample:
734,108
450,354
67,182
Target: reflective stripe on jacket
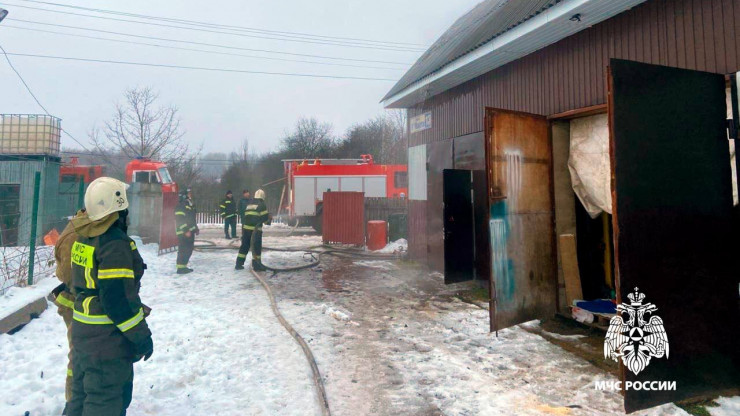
227,208
185,217
255,215
108,314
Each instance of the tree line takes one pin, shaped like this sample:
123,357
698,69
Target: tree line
141,127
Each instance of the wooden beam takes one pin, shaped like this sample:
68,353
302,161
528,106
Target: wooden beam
579,112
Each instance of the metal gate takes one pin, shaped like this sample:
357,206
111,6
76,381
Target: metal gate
344,218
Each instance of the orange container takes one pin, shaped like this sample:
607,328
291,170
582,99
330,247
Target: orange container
377,235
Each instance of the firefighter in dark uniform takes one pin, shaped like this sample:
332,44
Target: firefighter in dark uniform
227,209
245,200
186,230
255,215
109,330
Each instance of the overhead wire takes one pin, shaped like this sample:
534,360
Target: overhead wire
284,39
130,42
199,68
208,24
204,43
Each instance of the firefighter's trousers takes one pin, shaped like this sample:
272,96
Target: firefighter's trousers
65,312
184,249
101,387
250,239
230,223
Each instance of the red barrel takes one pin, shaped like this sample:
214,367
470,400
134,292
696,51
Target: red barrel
377,235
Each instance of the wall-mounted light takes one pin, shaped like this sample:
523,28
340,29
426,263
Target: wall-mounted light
575,18
3,13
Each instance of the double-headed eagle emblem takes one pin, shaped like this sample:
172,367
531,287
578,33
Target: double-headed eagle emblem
637,340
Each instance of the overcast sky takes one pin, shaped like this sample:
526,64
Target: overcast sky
219,109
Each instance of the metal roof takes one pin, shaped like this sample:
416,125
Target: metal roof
492,34
486,21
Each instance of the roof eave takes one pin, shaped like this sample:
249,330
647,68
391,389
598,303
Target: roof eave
547,28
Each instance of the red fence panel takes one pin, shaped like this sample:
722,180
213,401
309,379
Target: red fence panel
344,218
167,236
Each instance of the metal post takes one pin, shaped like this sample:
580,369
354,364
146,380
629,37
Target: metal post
736,120
34,224
81,193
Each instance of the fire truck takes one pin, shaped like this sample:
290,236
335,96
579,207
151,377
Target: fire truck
307,180
72,171
144,170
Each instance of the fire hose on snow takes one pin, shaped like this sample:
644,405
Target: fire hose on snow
326,250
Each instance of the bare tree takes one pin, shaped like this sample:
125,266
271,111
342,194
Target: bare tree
141,128
309,139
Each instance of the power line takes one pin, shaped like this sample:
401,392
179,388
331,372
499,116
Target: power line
195,50
199,68
205,44
7,58
28,88
207,24
285,38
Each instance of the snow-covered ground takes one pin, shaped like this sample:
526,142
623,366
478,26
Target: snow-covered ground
388,338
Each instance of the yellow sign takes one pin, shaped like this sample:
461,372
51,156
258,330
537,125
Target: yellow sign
82,254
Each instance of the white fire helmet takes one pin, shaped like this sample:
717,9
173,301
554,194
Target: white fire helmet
260,194
105,196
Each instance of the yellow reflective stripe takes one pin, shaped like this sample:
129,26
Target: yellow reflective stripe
264,212
252,213
89,282
183,226
91,319
182,266
222,206
241,256
115,274
70,373
133,246
65,302
125,326
230,215
249,227
256,257
193,228
180,213
86,304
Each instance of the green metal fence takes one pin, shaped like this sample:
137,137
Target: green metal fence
34,206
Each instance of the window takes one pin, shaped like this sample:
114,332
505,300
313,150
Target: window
165,175
401,180
141,177
69,178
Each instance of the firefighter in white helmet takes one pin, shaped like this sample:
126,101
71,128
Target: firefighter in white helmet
109,330
255,215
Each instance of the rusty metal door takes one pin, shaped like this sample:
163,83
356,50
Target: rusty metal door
672,202
459,234
523,273
344,218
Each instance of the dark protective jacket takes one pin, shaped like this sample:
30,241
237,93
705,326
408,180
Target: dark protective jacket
243,202
255,215
185,217
227,208
108,314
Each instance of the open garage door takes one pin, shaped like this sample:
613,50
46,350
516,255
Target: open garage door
672,201
518,160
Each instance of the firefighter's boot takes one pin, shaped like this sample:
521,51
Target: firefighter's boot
257,266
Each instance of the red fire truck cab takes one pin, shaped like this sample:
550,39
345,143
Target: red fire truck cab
143,170
73,171
307,180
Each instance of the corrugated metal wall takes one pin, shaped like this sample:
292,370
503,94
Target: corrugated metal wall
571,74
22,173
344,218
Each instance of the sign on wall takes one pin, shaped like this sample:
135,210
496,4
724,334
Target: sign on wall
418,173
421,122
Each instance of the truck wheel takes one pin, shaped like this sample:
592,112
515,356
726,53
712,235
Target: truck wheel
318,220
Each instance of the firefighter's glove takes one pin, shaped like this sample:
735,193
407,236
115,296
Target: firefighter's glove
197,230
145,349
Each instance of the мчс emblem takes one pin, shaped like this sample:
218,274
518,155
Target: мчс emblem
637,340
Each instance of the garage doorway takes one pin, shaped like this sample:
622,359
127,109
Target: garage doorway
459,230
